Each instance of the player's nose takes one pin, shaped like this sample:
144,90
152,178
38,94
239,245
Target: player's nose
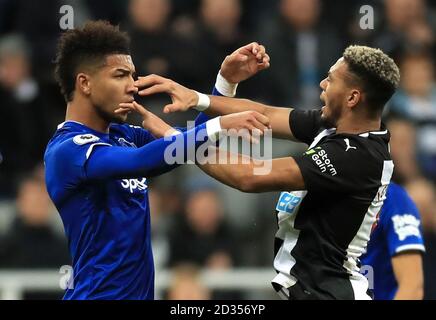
322,84
131,89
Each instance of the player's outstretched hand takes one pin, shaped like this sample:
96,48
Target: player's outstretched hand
245,62
182,98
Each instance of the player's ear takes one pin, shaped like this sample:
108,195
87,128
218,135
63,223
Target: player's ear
83,83
354,97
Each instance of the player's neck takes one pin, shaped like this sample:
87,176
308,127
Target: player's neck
355,124
81,111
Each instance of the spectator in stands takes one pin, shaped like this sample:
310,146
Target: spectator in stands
25,111
186,284
202,235
302,50
32,241
416,102
406,27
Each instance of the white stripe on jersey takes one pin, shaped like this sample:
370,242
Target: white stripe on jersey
408,247
358,245
322,134
284,261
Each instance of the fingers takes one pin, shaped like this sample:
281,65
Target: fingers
265,63
125,107
131,106
169,108
264,120
140,109
149,80
155,88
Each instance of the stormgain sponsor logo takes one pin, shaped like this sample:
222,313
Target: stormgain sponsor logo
134,184
320,157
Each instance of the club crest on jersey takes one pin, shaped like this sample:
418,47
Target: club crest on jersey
288,202
126,143
134,184
85,138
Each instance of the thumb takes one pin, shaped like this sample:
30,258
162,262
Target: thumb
172,107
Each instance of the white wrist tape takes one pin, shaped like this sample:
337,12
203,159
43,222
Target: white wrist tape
224,87
203,102
213,128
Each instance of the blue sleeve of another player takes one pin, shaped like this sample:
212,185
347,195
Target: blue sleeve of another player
402,222
154,158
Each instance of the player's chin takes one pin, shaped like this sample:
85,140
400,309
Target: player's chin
120,118
326,118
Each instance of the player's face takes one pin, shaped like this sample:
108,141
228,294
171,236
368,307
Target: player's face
112,85
334,94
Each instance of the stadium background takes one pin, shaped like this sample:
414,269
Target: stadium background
198,224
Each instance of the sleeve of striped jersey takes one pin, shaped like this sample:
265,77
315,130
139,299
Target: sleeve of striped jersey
329,168
305,124
402,225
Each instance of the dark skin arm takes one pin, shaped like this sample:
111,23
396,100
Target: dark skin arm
251,175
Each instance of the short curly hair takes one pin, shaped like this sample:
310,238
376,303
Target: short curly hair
378,74
86,47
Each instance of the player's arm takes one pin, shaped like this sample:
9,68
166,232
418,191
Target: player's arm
184,99
250,175
327,167
158,157
408,272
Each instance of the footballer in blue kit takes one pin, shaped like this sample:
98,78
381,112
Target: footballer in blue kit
395,248
97,166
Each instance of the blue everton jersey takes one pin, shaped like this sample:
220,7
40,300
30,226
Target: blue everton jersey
398,230
107,221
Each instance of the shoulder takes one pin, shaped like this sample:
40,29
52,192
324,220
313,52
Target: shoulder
398,202
71,147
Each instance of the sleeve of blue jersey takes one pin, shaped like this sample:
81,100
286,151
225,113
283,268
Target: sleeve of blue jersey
148,161
402,222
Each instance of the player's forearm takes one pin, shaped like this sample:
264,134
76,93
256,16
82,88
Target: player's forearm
252,175
229,169
410,291
155,158
220,105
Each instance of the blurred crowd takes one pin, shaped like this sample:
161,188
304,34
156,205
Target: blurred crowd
198,223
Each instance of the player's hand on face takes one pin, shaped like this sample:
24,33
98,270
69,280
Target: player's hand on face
248,124
150,121
245,62
182,98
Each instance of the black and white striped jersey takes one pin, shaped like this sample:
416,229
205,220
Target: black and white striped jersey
323,230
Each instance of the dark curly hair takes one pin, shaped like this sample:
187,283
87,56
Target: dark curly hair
86,47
